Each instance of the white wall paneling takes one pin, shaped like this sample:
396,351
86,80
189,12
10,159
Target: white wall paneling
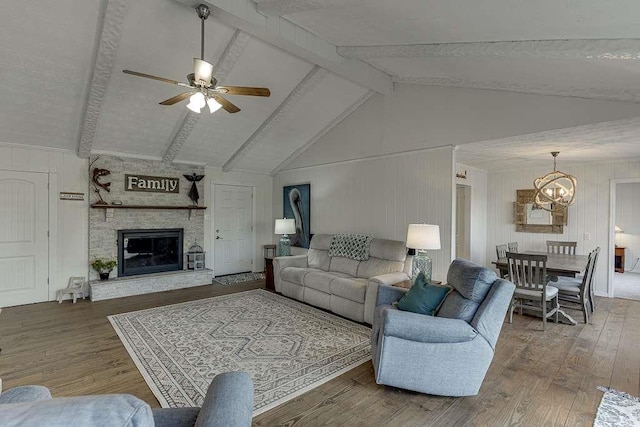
381,196
477,181
588,221
262,209
68,220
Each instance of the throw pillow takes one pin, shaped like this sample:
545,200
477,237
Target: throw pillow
352,246
423,297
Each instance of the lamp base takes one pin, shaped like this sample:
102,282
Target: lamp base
284,246
421,264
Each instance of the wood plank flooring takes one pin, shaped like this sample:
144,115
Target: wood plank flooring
536,378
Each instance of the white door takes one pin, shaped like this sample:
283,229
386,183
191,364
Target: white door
24,244
232,229
463,217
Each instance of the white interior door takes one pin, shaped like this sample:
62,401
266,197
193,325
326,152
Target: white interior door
463,217
24,244
232,229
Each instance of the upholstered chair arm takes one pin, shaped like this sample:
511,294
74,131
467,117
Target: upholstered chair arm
389,294
489,318
390,278
289,261
229,402
421,328
26,393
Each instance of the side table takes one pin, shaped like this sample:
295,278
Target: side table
268,273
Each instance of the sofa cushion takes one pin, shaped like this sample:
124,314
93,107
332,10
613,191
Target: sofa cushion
295,274
392,250
318,258
321,241
470,280
344,265
423,297
455,306
350,288
321,280
377,266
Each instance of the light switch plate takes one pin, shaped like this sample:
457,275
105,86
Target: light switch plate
586,236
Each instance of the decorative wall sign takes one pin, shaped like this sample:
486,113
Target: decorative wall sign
297,205
65,195
151,184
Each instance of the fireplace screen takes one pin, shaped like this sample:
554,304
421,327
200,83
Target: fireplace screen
149,251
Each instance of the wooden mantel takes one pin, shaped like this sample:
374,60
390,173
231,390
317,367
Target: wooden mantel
108,213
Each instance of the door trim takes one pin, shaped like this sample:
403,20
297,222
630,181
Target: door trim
254,256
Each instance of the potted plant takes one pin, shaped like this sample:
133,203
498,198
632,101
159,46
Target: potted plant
103,267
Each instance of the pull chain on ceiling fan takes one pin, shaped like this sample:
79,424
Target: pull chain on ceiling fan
203,89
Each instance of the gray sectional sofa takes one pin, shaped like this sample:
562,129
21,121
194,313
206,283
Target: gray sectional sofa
344,286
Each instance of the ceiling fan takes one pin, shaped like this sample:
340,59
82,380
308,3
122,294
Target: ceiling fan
203,88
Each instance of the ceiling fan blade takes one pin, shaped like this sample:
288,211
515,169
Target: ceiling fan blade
227,105
149,76
243,90
176,99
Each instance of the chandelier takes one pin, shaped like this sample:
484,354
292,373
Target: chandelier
556,190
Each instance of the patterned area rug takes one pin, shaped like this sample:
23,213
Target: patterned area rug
286,346
617,409
232,279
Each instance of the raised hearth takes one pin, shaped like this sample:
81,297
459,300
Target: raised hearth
149,283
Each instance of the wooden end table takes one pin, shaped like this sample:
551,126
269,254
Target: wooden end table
268,273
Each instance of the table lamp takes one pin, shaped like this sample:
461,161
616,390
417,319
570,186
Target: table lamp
422,237
285,227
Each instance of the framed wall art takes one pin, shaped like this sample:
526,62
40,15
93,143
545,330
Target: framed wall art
297,205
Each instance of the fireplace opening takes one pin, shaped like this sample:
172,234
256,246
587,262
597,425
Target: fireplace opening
149,251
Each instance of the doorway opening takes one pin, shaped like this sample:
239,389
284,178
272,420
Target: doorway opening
625,249
463,221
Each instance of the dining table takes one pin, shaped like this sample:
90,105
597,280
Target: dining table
557,265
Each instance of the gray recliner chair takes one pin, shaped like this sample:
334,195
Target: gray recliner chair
447,354
228,403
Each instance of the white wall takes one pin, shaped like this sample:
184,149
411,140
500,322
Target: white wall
589,215
262,195
477,180
69,237
628,218
380,196
417,117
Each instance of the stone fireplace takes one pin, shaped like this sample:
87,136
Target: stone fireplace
149,251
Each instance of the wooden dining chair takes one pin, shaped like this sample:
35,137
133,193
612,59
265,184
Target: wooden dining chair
592,299
513,246
501,251
574,293
529,273
558,247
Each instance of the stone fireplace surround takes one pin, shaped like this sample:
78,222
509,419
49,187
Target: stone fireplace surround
105,223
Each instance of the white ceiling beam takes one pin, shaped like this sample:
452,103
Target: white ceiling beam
286,7
296,40
621,49
107,47
223,67
346,113
309,82
612,94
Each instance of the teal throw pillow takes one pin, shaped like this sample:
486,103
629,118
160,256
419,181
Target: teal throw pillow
423,297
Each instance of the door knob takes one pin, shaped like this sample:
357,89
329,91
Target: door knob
218,237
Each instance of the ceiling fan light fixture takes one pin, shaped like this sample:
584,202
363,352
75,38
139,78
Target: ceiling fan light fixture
203,71
213,105
197,102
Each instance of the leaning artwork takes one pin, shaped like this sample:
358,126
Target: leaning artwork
296,205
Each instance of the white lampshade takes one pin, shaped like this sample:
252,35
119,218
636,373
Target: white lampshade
203,70
423,236
285,226
213,105
196,102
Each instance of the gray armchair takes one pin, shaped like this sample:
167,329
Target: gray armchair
228,403
448,354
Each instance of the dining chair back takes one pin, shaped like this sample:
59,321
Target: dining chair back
592,300
576,292
501,251
558,247
513,246
529,273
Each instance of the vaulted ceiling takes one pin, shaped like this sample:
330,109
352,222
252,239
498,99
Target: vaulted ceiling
63,86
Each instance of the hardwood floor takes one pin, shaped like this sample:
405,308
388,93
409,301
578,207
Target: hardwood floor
536,378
